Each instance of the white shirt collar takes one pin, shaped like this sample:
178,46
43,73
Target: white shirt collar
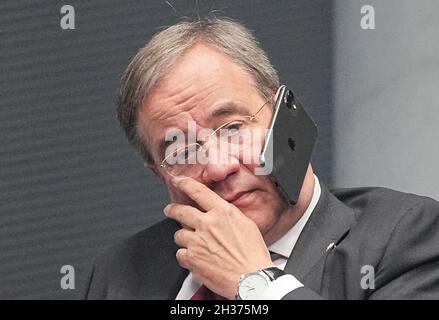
285,245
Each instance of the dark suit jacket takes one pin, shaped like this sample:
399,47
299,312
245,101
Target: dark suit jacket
395,233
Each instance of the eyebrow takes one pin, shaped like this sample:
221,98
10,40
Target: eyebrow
227,109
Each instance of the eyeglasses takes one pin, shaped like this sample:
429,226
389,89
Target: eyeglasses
232,138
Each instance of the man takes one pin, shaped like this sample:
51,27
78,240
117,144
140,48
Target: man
229,233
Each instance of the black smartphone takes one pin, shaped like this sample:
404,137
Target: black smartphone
288,145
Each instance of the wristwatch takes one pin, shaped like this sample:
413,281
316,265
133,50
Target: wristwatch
252,285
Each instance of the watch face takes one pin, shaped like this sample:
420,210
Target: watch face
252,286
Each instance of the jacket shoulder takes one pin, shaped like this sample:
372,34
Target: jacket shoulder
141,243
397,234
382,202
132,261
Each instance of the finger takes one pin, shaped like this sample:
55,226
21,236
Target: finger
184,237
181,256
186,227
186,215
202,195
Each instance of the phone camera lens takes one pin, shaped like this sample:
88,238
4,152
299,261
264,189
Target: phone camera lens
289,97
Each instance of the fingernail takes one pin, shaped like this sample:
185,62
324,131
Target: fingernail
176,179
166,209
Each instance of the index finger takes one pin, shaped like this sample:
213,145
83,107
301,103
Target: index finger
202,195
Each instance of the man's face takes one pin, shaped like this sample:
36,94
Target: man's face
199,84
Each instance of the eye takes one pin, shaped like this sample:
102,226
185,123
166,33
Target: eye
182,154
233,128
186,153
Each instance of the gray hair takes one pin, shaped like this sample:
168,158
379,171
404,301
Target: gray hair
152,62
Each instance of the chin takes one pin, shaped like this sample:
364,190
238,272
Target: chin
264,218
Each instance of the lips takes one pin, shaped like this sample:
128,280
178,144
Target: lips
238,196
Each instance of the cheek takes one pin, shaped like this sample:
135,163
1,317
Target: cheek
249,156
176,195
267,209
179,197
274,194
271,206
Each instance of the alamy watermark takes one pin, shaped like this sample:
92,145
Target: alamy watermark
367,21
68,17
368,280
67,281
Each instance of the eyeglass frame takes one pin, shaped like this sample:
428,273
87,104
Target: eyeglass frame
163,164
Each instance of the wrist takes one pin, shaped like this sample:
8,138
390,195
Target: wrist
281,287
253,285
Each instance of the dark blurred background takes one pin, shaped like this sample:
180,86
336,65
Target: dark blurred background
70,186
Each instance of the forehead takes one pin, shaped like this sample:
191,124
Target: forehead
199,82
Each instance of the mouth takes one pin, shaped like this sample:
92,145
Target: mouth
240,198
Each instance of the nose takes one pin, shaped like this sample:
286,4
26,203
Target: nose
219,166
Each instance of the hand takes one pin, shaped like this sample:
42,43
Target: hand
217,245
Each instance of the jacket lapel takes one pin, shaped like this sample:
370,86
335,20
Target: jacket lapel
329,224
165,280
169,286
